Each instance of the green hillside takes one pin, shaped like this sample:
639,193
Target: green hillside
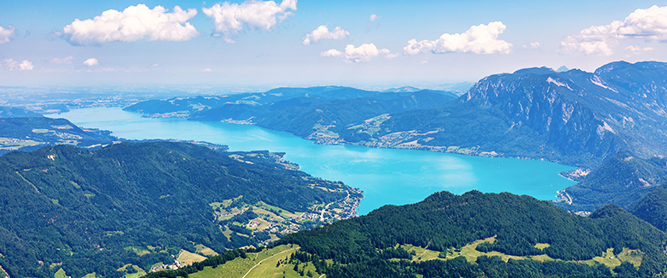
472,235
132,206
653,208
622,179
31,133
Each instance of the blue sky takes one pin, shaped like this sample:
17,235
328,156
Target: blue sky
369,44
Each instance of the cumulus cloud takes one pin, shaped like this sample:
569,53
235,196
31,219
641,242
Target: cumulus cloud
10,64
322,33
363,53
91,62
230,19
132,24
532,45
392,55
207,70
638,49
375,17
67,60
7,34
26,65
647,24
479,39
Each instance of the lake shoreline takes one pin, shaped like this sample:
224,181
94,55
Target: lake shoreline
394,176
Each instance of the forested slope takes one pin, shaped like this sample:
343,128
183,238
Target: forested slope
94,211
522,237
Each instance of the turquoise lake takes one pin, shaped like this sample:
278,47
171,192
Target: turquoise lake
387,176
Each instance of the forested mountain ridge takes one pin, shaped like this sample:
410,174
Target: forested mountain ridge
330,115
31,133
522,237
622,179
652,208
14,112
139,204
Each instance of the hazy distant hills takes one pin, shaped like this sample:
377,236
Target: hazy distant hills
138,204
324,114
573,117
472,235
12,112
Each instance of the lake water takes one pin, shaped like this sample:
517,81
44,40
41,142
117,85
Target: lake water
387,176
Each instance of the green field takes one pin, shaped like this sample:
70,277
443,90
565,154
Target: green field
15,144
60,274
188,258
138,272
203,250
268,263
470,253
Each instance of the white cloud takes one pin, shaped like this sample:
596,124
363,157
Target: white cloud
375,17
67,60
26,65
132,24
638,49
363,53
322,33
230,19
479,39
647,24
7,34
9,64
532,45
331,53
207,70
392,55
424,62
91,62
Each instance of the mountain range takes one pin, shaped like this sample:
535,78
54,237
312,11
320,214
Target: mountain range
574,117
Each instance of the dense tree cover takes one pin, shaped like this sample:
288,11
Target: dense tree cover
622,179
299,110
14,112
62,131
445,220
653,208
299,115
84,208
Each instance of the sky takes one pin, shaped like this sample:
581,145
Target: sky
360,43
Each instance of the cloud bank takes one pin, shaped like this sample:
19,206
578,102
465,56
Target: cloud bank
132,24
322,33
479,39
646,24
231,19
363,53
7,34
